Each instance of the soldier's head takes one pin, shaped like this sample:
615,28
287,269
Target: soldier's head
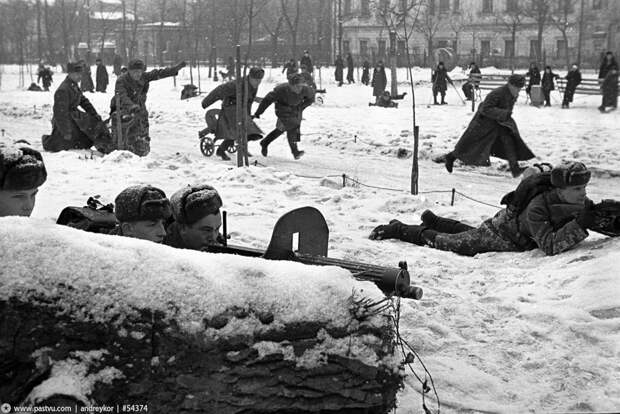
440,65
98,61
136,68
575,66
303,68
74,71
548,69
515,83
142,211
196,210
22,172
256,75
570,181
297,82
609,56
533,65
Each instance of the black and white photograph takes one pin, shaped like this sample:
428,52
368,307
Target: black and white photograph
309,206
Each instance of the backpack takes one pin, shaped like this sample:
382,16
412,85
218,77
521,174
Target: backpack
516,201
95,217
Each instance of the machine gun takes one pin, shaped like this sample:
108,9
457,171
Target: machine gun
313,236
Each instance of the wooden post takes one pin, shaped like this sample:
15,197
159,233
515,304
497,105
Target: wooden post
239,108
120,145
393,83
415,174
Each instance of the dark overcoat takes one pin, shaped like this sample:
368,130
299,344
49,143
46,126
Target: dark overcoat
608,75
289,105
492,121
365,72
573,79
102,78
548,83
132,92
227,121
379,81
68,120
307,60
440,80
339,69
87,80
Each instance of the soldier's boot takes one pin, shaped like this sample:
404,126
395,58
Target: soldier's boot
449,161
221,150
435,99
420,235
442,224
297,153
264,143
443,99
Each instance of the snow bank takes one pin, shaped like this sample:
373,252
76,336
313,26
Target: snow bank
103,278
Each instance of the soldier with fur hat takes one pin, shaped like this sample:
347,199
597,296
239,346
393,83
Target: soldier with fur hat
131,89
227,121
142,212
197,218
72,128
290,100
493,131
22,172
553,218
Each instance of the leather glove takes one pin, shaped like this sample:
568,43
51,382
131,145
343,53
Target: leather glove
586,217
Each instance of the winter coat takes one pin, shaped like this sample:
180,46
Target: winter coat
309,80
45,74
68,120
547,223
379,81
339,68
132,92
486,132
117,63
475,76
547,81
350,68
609,82
573,79
227,121
102,78
87,80
307,60
290,68
534,76
289,105
365,72
440,80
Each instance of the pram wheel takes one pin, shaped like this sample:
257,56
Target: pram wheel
232,148
319,99
207,147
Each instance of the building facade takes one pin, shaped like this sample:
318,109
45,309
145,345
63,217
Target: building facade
481,30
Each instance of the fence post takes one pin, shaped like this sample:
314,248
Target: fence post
344,180
452,199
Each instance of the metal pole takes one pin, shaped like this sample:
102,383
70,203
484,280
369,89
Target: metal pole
239,108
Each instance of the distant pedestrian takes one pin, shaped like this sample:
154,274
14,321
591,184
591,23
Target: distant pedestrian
101,76
45,75
366,72
339,70
440,81
548,84
117,64
608,79
573,78
350,67
534,77
379,81
86,84
306,59
290,67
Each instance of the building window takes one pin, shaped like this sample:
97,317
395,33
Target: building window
487,6
365,9
346,46
456,6
347,7
444,6
534,49
381,48
597,4
509,48
401,47
442,43
485,48
561,49
364,47
512,5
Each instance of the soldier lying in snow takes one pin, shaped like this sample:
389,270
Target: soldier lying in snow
553,220
22,172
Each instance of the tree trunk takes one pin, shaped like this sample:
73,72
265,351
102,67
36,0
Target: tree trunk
39,40
124,29
65,32
162,15
134,32
48,35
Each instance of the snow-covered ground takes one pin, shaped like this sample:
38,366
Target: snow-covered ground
500,332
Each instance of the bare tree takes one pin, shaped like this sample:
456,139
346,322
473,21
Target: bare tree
133,48
267,22
561,18
512,19
428,24
539,11
162,15
293,25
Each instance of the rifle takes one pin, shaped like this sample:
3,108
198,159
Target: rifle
313,234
